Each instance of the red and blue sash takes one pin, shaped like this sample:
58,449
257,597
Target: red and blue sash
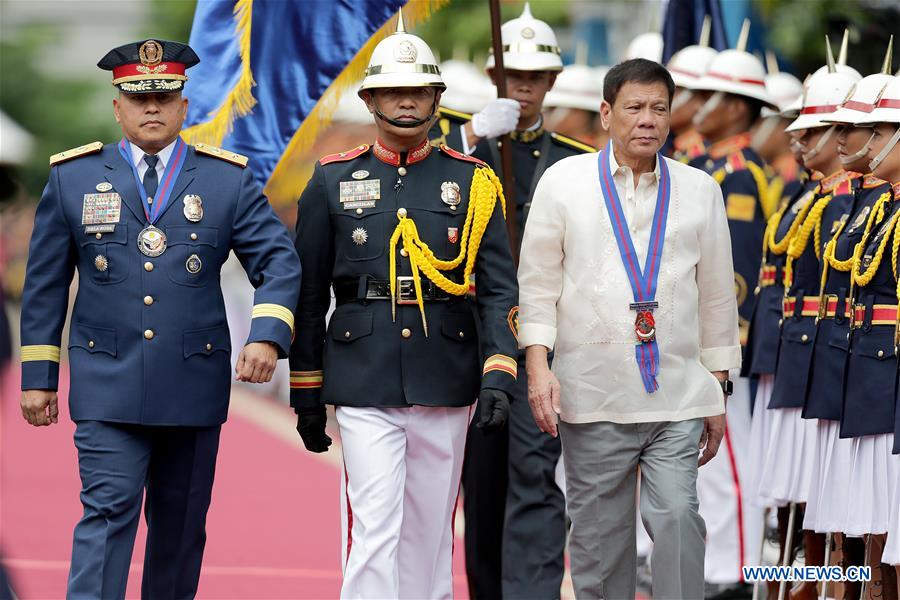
643,281
153,210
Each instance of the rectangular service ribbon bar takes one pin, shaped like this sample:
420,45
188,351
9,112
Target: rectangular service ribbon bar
643,281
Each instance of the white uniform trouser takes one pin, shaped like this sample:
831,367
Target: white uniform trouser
734,525
400,484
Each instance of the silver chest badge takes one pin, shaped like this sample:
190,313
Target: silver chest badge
361,174
193,264
104,186
450,193
151,241
193,208
360,236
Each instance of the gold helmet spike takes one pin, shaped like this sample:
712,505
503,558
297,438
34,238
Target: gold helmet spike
842,55
581,53
744,37
771,62
401,28
829,56
705,32
888,57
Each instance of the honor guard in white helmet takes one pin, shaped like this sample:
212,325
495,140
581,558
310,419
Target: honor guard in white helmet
882,287
515,504
840,65
734,90
687,66
396,229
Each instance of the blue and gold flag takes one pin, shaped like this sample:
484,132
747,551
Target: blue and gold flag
272,71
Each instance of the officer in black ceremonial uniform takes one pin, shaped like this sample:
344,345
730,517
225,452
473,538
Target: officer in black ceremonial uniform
148,223
515,511
397,228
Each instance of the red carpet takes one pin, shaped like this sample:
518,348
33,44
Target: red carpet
273,528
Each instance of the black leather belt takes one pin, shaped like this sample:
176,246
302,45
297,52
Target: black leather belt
364,289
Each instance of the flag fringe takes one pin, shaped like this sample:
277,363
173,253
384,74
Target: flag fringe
239,101
286,180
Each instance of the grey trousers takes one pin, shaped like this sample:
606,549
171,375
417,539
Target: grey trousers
602,461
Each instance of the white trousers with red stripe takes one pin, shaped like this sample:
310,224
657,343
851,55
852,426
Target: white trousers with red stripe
734,525
402,468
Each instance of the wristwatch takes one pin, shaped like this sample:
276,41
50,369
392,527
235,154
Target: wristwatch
727,387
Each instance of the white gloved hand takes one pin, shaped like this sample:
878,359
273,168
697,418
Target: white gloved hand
500,116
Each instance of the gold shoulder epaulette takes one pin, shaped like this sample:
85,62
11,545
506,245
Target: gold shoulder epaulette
457,114
226,155
572,143
76,152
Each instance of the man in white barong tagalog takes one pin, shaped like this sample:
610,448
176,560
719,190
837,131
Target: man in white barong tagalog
626,276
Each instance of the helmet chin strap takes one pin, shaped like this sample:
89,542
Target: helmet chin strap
708,107
861,153
808,156
681,98
406,124
875,162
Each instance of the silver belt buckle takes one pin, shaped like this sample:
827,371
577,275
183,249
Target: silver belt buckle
406,290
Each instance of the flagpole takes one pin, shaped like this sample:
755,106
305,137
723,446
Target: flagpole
509,180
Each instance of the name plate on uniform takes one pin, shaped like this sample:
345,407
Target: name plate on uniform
104,228
360,194
101,208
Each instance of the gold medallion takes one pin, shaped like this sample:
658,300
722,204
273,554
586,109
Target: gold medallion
151,241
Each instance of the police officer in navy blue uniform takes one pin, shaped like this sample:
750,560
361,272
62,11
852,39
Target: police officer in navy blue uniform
148,223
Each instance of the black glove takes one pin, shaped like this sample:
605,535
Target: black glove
493,409
311,427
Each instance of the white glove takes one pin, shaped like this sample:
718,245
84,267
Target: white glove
500,116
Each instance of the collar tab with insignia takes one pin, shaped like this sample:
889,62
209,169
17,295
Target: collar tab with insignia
345,155
62,157
526,136
829,184
390,156
226,155
870,181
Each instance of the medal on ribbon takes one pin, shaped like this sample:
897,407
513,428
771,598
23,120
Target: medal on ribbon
643,281
153,210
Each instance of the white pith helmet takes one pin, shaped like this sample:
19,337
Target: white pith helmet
529,44
737,72
887,108
646,45
402,60
867,92
689,64
823,95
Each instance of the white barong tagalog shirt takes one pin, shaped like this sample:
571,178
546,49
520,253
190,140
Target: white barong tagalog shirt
574,293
